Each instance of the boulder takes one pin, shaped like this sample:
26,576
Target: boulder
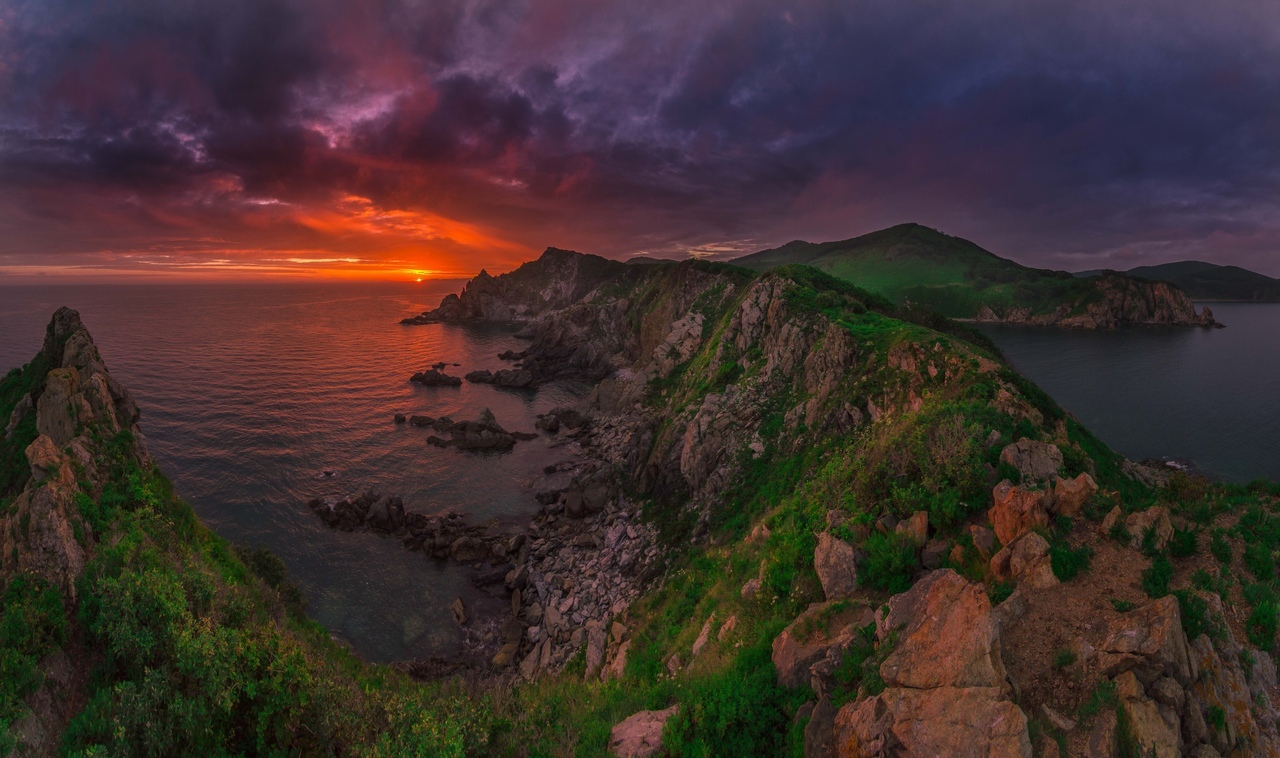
43,458
984,540
1155,733
597,638
946,635
703,635
618,664
934,552
836,563
1015,511
1070,495
916,527
1154,519
459,611
823,629
964,722
640,736
819,733
1150,642
1036,461
1025,560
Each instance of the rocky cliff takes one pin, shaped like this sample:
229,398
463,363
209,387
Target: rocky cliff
1116,301
791,518
830,452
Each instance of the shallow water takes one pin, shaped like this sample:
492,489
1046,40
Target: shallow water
248,391
1209,396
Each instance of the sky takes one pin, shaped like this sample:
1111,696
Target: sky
433,138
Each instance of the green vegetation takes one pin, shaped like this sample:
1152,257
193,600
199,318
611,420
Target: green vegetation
913,264
198,646
1063,658
890,562
1068,562
1155,580
32,622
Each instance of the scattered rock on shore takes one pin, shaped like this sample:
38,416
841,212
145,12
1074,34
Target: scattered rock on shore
435,378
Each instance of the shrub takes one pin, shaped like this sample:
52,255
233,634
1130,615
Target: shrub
1262,625
890,562
1220,547
1067,561
1259,561
1195,615
1155,580
1183,544
1102,696
1217,718
1122,606
738,711
1063,658
32,621
1000,591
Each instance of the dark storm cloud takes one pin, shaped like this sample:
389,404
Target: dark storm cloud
1066,134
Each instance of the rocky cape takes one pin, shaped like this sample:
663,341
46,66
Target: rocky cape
1118,301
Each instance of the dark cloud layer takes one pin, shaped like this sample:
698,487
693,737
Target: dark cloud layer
442,136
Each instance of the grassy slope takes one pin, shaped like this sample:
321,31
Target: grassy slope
912,263
197,645
1208,281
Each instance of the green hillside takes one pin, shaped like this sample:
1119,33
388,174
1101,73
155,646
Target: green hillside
1209,281
910,263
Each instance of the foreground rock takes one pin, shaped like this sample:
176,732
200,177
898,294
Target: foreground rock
947,690
836,563
640,736
1016,510
1070,495
812,646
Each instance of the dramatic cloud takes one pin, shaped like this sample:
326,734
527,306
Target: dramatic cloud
386,137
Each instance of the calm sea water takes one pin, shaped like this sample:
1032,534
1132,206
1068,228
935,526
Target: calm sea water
1210,396
248,391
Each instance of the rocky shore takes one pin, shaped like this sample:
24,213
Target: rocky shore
582,559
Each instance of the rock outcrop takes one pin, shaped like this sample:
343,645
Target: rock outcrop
947,690
1016,510
1036,461
837,565
640,735
83,420
1117,301
79,408
435,378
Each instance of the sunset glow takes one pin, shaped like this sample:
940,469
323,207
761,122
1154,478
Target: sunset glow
377,140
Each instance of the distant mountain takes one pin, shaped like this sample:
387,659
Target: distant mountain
915,265
1209,281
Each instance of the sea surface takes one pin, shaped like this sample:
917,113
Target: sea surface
249,392
1210,397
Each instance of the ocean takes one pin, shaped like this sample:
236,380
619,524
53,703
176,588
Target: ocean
249,392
